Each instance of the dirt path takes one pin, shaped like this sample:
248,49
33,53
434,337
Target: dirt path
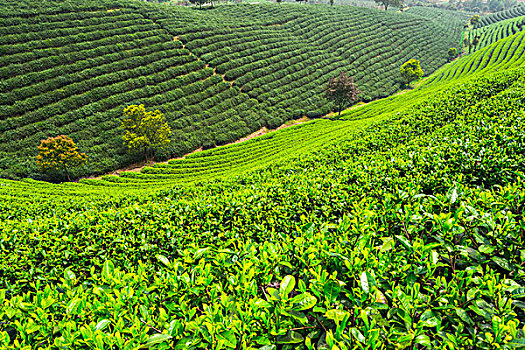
137,167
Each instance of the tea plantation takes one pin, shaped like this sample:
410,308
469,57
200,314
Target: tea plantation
491,33
398,225
516,11
218,75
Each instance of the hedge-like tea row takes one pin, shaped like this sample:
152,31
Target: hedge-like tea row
492,18
501,55
490,34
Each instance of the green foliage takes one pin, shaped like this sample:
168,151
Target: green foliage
399,230
407,232
59,154
145,131
387,3
474,20
411,71
452,53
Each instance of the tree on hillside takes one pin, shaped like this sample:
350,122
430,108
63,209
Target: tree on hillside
342,90
452,53
411,71
59,153
387,3
145,131
201,2
474,20
475,41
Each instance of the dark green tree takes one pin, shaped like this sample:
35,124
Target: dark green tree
474,20
452,53
342,90
387,3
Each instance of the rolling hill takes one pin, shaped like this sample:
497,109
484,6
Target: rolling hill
218,75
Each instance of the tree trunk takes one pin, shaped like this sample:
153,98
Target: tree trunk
386,6
67,173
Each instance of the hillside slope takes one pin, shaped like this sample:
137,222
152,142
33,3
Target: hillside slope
232,160
495,17
405,232
491,33
218,75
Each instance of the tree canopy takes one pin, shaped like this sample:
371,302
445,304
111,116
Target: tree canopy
474,20
452,53
342,90
387,3
59,153
145,131
411,71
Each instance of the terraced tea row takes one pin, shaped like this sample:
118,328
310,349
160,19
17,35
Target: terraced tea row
517,11
503,54
442,17
487,35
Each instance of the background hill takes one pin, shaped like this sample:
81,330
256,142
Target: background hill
495,17
218,75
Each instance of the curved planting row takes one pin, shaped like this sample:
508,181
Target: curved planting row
441,16
503,54
487,35
517,11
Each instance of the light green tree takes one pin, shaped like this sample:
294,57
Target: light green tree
411,71
387,3
145,131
